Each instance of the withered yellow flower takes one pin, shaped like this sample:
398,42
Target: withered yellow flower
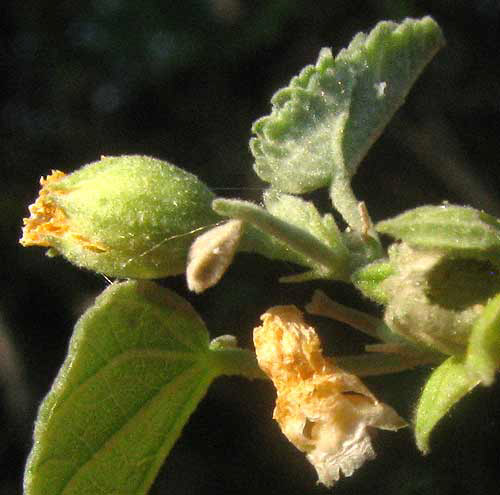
323,410
48,221
44,215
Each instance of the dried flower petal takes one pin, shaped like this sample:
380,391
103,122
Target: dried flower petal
48,221
324,411
45,216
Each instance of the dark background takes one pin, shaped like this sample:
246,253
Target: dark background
183,80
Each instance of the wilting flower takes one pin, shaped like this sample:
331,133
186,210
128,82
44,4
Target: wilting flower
323,410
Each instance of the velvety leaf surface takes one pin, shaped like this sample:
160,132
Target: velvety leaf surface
369,278
137,366
324,122
483,352
448,383
460,230
304,215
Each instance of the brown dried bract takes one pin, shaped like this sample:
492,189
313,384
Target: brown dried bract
323,410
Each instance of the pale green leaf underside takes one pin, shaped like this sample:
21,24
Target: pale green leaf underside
137,367
324,122
448,383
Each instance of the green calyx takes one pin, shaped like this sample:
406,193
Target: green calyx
368,279
411,312
127,216
459,231
434,299
445,271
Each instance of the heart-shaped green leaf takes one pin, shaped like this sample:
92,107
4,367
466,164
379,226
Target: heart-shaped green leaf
324,122
138,365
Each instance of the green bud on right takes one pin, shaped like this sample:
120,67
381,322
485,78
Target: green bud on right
445,270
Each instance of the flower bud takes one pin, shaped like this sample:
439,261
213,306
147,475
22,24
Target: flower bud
443,273
126,216
434,299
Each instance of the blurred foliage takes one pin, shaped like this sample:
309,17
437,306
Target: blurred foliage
183,80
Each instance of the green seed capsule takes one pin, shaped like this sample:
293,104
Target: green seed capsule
127,216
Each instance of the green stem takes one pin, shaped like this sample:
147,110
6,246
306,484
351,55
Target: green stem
236,361
382,364
345,202
355,214
322,305
229,360
294,237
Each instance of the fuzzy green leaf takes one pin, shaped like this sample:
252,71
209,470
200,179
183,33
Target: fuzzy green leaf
458,230
324,122
483,352
304,215
138,365
448,383
368,279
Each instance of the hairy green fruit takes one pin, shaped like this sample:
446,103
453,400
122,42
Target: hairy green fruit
126,216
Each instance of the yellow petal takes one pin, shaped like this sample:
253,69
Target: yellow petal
324,411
